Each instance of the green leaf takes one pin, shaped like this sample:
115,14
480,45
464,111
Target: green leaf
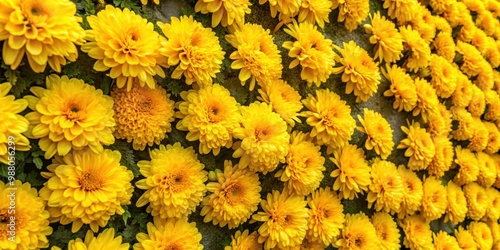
128,158
38,162
126,215
106,85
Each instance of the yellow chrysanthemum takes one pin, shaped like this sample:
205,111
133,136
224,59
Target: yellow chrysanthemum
388,42
496,158
170,234
443,77
493,138
326,217
284,220
387,187
256,55
492,99
440,123
70,114
46,31
427,99
493,210
379,133
387,231
495,232
352,175
444,241
359,71
304,167
24,222
443,158
105,240
312,51
286,8
418,234
225,12
480,136
487,170
330,118
465,239
284,99
413,192
457,204
315,11
127,44
143,115
358,233
265,140
402,10
86,188
422,22
477,104
174,181
463,92
477,200
465,128
434,200
468,166
352,12
443,26
419,146
210,115
481,234
244,241
193,48
472,59
402,88
235,196
420,52
445,46
13,124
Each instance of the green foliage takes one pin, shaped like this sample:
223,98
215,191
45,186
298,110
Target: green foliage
128,158
129,4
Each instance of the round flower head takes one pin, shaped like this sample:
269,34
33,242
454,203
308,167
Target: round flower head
444,241
170,234
225,12
265,140
174,181
46,31
457,204
481,234
493,102
487,170
210,115
487,22
442,25
479,139
420,52
443,76
304,167
127,44
413,192
31,221
493,138
13,124
442,160
286,8
358,233
194,49
325,216
308,244
244,241
440,123
70,114
402,10
496,158
418,234
284,220
256,55
143,115
495,232
477,103
387,187
444,45
359,71
388,42
419,146
315,11
468,166
330,118
427,100
434,200
387,231
422,22
465,239
466,123
105,240
463,92
352,175
352,12
378,131
312,51
402,88
493,210
472,59
284,99
477,200
235,196
86,188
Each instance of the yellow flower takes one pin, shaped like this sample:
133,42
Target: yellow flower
493,138
127,44
487,22
284,99
312,51
265,140
174,181
304,167
463,92
487,170
457,204
352,12
444,241
479,139
422,22
473,61
493,101
477,103
402,88
378,131
442,25
256,55
235,196
359,71
46,31
325,216
440,123
495,232
193,48
352,175
434,200
427,100
481,234
388,42
387,231
443,77
387,187
465,239
468,166
330,118
418,234
286,8
210,115
403,10
170,234
105,240
70,114
420,52
143,115
358,233
444,45
225,12
315,11
419,146
284,220
86,188
465,128
477,200
442,160
413,192
496,157
30,224
244,241
145,2
493,210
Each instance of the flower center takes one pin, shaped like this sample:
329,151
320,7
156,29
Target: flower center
262,134
4,217
33,11
233,193
90,181
214,114
73,112
173,182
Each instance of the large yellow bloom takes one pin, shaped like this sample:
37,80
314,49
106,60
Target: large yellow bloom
388,42
193,48
427,99
286,8
284,99
419,146
482,235
170,234
105,240
473,61
265,140
312,51
378,131
210,114
418,234
387,231
444,241
315,11
46,31
326,217
440,123
352,173
387,187
174,181
70,114
468,166
465,128
284,220
402,10
493,210
457,204
127,44
487,170
244,241
86,188
477,200
465,239
444,45
225,12
434,200
443,158
358,233
143,115
235,196
413,192
352,12
420,52
402,88
30,227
